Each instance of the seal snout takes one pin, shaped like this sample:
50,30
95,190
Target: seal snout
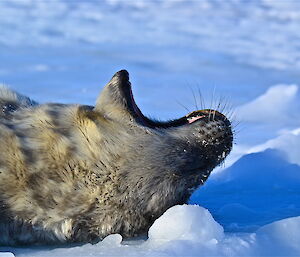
214,135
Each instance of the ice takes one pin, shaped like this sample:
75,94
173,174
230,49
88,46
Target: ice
188,230
282,96
112,240
283,236
258,189
186,223
7,254
288,142
240,27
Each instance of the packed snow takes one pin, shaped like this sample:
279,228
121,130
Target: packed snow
244,54
188,230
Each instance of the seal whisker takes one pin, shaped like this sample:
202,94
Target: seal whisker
214,114
195,100
182,106
201,98
211,103
209,114
224,104
219,104
230,112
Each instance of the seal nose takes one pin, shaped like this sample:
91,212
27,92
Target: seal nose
208,114
213,113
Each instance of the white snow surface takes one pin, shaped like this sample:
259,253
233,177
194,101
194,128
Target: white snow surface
283,97
188,230
6,254
238,25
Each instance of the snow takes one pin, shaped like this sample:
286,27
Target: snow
189,230
288,141
259,188
6,254
197,225
282,236
281,96
238,26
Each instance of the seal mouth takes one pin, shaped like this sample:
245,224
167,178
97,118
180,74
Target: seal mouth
206,115
195,116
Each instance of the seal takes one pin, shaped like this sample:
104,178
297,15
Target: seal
76,173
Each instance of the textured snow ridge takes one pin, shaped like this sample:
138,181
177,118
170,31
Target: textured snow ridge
239,25
188,230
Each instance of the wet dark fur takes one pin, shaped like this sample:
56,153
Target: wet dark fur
72,173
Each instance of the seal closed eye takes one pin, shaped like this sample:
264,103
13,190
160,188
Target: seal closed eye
74,173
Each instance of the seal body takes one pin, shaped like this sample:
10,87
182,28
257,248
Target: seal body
73,173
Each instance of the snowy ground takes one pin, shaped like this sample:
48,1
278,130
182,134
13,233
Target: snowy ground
247,52
189,230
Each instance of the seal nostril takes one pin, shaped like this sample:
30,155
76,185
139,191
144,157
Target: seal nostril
215,115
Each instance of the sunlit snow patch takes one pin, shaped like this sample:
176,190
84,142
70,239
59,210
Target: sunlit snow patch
6,254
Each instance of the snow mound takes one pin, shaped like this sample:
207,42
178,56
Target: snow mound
112,240
281,96
282,236
277,232
186,222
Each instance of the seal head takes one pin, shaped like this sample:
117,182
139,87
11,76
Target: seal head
205,136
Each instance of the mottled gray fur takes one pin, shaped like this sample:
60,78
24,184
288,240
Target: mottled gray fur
10,101
73,173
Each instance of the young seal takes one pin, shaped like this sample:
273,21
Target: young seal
74,173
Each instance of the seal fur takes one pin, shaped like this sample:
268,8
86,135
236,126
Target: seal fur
74,173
